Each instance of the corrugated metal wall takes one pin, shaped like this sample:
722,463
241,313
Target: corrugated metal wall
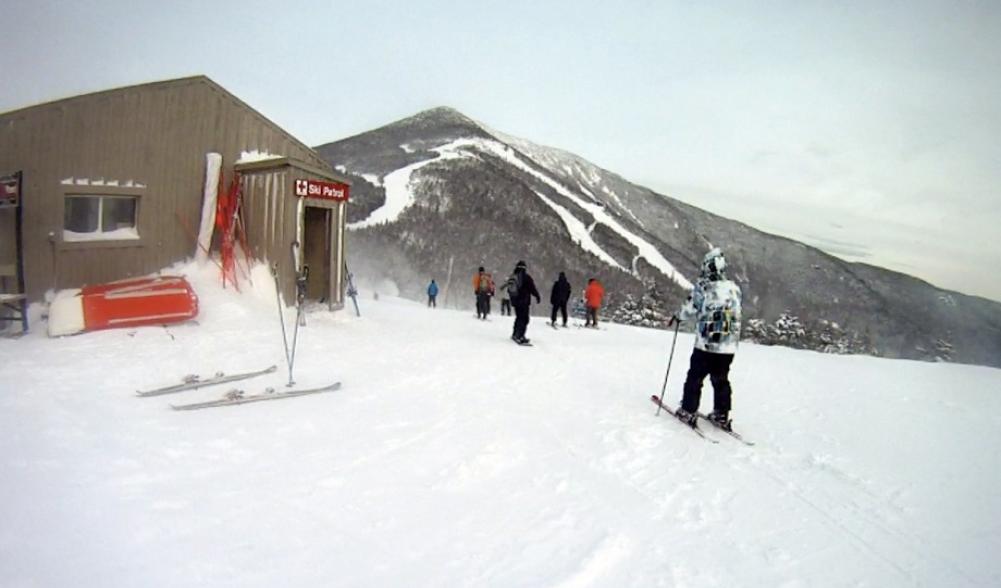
155,136
272,214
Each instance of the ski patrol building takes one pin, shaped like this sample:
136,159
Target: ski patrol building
110,185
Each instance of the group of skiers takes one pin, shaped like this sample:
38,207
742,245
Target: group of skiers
714,304
594,294
518,291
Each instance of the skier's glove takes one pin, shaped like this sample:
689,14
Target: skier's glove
673,320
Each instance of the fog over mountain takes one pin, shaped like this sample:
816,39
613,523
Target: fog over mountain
438,194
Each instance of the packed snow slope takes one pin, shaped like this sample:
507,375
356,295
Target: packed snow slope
452,457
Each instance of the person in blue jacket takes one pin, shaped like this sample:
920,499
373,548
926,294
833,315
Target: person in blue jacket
432,294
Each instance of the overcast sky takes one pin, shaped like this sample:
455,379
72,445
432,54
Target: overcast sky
872,132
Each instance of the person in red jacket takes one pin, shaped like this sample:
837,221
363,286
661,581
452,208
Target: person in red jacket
593,295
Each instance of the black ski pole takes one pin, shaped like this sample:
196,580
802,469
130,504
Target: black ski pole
281,314
300,285
670,359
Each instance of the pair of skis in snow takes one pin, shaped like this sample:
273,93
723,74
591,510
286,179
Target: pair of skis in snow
194,382
238,397
233,396
696,429
659,401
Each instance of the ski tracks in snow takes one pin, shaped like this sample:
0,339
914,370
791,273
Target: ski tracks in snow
866,521
609,553
848,509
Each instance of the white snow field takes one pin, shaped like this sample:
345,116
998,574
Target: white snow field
453,457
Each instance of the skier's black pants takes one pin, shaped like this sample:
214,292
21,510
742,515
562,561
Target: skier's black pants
432,301
561,308
505,307
592,316
482,305
520,321
717,367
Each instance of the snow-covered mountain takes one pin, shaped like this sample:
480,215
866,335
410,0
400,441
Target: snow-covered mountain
438,194
452,457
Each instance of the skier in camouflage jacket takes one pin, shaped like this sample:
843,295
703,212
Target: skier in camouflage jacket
714,304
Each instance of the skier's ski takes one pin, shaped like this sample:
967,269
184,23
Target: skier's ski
237,397
193,382
670,411
729,432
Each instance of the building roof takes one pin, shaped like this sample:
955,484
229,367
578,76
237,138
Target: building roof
178,82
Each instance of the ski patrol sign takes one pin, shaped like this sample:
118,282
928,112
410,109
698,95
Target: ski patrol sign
10,190
318,189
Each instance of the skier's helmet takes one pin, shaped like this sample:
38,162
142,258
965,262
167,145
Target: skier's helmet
713,264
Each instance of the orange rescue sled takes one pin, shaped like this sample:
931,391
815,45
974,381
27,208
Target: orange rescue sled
133,302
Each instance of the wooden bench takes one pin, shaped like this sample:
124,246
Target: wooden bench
15,303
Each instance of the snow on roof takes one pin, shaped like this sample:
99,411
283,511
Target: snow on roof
74,181
255,155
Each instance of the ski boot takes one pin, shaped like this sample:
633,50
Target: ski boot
689,418
721,420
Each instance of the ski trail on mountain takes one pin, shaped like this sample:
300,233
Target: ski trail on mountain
648,251
580,233
399,197
396,187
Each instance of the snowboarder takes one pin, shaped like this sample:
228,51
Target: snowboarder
521,288
432,294
559,298
593,294
483,288
715,305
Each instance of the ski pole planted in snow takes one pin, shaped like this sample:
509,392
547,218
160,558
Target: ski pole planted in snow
281,312
300,285
670,359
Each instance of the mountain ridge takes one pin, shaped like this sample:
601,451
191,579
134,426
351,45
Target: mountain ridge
478,196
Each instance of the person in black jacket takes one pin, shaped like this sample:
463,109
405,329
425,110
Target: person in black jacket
559,298
521,288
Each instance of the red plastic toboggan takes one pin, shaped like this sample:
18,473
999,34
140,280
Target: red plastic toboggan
136,302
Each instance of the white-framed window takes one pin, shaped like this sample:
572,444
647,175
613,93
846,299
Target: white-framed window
100,217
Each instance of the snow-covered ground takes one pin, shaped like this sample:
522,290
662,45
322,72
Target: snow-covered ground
452,457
